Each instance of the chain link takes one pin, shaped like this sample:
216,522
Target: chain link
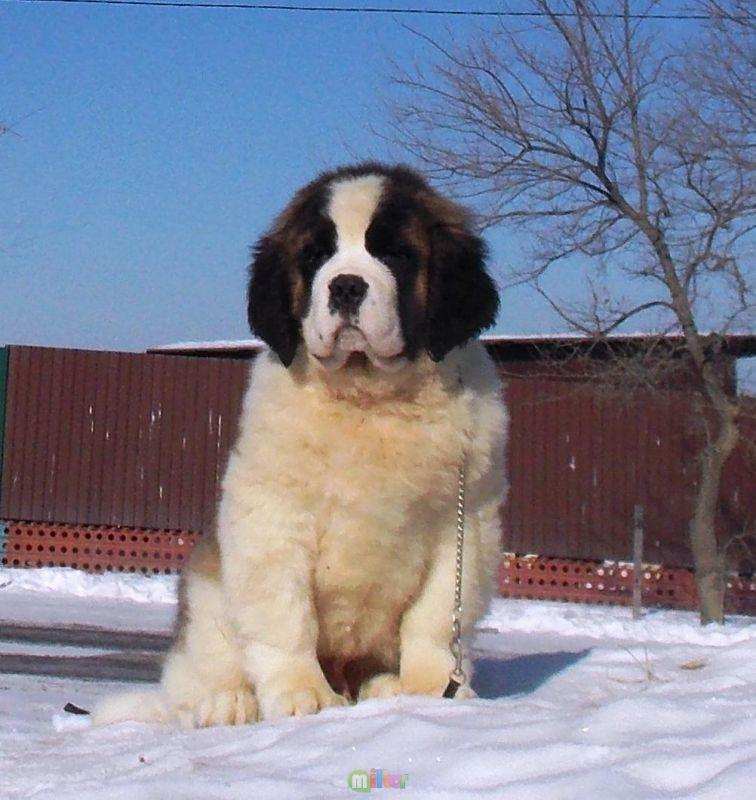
458,673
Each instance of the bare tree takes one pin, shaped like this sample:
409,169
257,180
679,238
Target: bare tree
614,145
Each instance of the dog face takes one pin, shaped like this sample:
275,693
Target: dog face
369,263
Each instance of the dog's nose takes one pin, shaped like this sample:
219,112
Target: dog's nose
346,292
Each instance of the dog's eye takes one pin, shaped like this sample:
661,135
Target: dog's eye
312,257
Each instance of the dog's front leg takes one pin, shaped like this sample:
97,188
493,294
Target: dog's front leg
267,566
425,658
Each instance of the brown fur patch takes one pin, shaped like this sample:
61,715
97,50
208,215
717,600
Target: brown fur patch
445,211
297,294
346,676
421,287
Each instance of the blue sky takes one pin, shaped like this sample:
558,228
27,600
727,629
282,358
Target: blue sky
154,145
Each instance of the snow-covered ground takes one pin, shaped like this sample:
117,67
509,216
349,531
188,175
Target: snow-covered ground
54,596
576,702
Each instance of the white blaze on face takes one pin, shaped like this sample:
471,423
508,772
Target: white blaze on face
375,328
353,203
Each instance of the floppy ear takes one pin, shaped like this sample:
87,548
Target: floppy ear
269,301
462,299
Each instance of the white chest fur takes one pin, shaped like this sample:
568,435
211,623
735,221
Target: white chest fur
366,490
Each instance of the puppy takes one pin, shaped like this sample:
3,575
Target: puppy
330,573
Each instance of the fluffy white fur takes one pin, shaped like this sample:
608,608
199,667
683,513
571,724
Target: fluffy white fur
336,529
336,536
376,331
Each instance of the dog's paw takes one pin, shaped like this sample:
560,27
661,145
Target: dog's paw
238,707
299,700
427,670
390,685
387,684
434,686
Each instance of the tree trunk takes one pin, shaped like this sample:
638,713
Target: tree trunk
708,558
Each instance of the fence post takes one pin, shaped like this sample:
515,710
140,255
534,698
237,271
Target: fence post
3,393
637,561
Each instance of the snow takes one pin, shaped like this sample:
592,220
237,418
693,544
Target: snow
214,344
60,609
604,621
576,702
71,582
34,649
231,345
547,336
59,596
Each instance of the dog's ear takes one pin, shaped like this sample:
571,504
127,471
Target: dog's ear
269,300
462,297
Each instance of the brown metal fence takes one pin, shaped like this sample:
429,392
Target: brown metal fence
580,459
135,444
125,439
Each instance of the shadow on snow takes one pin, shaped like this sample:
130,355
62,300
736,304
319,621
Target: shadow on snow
496,677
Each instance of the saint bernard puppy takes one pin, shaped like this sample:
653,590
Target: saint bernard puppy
330,573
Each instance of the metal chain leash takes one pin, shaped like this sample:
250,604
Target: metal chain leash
457,676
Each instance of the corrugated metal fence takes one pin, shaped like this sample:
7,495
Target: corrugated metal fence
580,460
140,441
3,394
117,439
